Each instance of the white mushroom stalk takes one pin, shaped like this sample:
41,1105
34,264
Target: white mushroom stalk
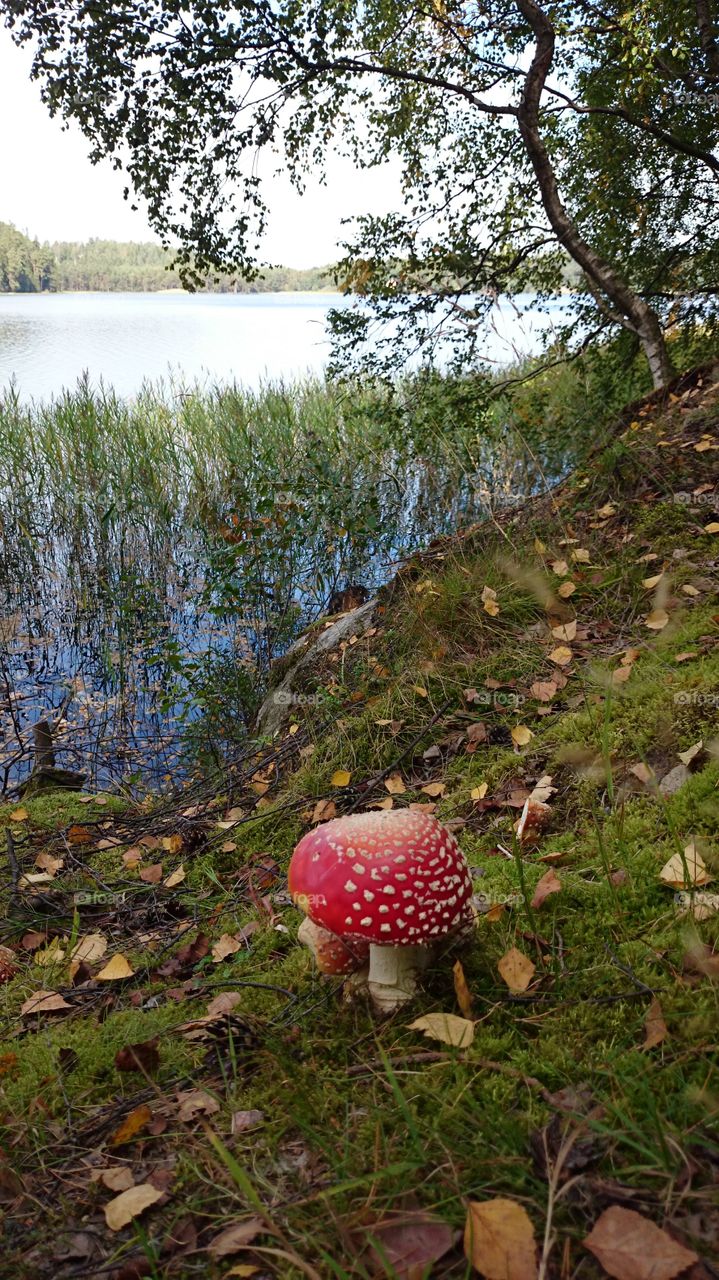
394,880
393,975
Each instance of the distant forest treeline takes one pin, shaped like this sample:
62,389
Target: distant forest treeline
26,266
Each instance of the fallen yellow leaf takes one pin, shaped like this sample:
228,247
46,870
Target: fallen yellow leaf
657,620
115,970
130,1204
499,1240
684,870
446,1027
521,735
561,656
461,990
516,969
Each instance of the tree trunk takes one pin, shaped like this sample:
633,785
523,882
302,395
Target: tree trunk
708,38
628,309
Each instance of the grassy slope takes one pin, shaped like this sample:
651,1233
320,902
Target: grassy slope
355,1122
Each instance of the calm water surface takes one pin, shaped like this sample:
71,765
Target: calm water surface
48,341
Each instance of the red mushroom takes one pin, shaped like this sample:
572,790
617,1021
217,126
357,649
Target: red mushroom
393,878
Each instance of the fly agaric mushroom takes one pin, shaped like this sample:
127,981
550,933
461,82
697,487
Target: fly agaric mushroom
395,879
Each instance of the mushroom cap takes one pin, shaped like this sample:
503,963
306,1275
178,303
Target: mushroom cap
393,876
333,955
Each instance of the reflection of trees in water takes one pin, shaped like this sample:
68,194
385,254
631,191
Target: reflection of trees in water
157,584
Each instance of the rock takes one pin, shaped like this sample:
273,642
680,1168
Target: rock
672,781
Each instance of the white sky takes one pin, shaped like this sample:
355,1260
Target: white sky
50,189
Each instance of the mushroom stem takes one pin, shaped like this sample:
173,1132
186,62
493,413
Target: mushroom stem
392,979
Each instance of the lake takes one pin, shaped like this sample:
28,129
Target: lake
48,341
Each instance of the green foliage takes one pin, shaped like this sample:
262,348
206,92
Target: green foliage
25,265
524,133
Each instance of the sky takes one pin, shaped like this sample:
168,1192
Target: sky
51,191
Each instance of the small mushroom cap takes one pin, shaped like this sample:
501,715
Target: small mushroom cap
333,955
393,876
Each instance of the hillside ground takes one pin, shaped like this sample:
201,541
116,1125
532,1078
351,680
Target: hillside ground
574,639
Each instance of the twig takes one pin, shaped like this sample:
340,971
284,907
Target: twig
12,862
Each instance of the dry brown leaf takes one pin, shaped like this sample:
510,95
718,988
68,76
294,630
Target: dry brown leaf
196,1102
649,583
479,792
118,1178
560,567
632,1247
499,1240
46,862
175,877
565,631
224,1003
226,946
566,589
324,811
130,1204
581,555
549,883
395,784
44,1002
235,1238
516,969
446,1027
153,874
656,620
92,947
543,690
655,1026
461,990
